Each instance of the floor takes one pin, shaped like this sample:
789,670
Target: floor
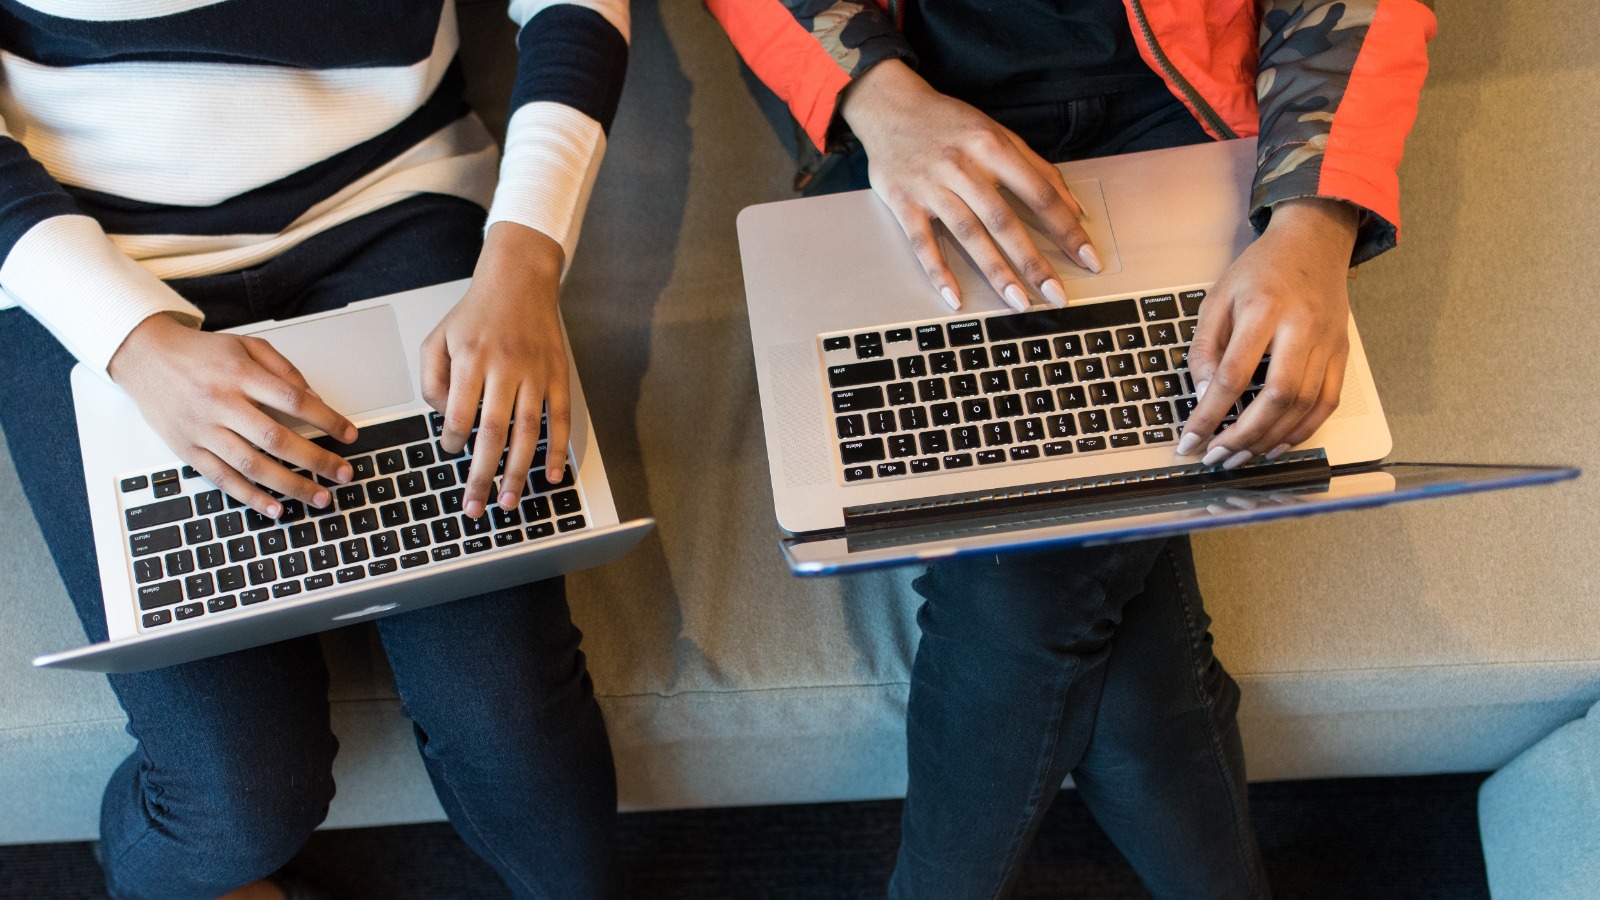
1362,839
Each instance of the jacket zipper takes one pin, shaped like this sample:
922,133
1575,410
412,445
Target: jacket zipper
1171,72
894,14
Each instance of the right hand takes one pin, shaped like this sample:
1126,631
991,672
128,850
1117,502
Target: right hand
930,157
207,394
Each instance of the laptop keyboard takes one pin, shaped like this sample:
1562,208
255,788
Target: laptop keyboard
195,551
1006,388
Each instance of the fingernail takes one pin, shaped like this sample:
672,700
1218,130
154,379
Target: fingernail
950,298
274,511
321,499
1277,451
508,500
1200,391
1188,443
1090,258
1053,292
1015,298
1238,459
1215,455
344,475
474,509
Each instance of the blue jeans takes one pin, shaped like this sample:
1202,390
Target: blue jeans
1094,662
232,770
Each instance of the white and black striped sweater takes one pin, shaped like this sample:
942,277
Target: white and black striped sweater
152,139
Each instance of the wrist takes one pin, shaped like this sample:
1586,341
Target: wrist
155,331
1323,222
886,87
522,263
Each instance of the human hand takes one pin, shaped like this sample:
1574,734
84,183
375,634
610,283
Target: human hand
930,157
1285,295
208,396
502,346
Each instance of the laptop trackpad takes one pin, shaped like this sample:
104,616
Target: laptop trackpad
1096,221
354,360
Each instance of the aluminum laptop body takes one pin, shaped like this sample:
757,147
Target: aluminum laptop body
364,360
1163,221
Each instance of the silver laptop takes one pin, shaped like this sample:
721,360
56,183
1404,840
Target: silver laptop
188,572
897,432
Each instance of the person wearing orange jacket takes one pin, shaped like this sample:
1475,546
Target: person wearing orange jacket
1098,663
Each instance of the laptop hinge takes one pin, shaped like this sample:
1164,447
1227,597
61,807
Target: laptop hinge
1291,468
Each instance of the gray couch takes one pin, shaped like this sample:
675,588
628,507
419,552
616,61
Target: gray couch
1439,637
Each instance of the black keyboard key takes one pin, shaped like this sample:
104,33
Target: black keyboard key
898,335
933,443
911,367
363,521
1121,365
1152,361
943,363
856,452
857,374
200,586
351,496
411,483
506,518
1093,421
1007,405
450,501
930,337
1072,397
480,525
334,529
383,567
394,515
147,570
353,573
1100,342
379,436
1058,373
1103,393
222,604
975,409
415,537
997,434
1026,378
134,483
1030,430
381,491
293,565
318,582
1158,414
1190,302
967,437
850,426
448,551
1091,369
208,502
412,560
1058,448
1062,426
835,343
507,538
303,534
1125,417
990,457
324,557
945,414
477,544
1025,452
891,469
423,508
161,512
159,617
566,503
1067,346
1005,354
542,486
973,358
1130,338
964,385
188,610
900,446
1179,357
361,468
444,531
535,508
280,590
1041,322
229,524
241,549
165,483
1162,334
963,333
1187,329
155,596
1184,407
1124,440
353,551
391,461
958,461
235,503
1040,402
880,422
1135,390
1091,444
197,531
385,543
262,571
210,556
921,466
571,523
858,399
435,423
272,542
995,382
1162,306
258,595
913,418
420,455
1166,385
256,521
180,562
857,473
1036,351
1158,435
901,393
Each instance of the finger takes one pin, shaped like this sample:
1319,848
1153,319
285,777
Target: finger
524,443
970,231
1327,404
436,371
1005,229
286,390
1210,337
914,221
1216,395
558,406
1311,388
461,404
1039,185
263,471
494,427
281,442
213,469
1289,391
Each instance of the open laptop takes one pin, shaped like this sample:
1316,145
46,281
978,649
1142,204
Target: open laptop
899,433
188,572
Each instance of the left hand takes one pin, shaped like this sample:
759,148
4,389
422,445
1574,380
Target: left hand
502,346
1285,295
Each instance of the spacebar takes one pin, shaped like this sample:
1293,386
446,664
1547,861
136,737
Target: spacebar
379,436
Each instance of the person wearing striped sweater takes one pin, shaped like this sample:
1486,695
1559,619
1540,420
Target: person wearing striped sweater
173,167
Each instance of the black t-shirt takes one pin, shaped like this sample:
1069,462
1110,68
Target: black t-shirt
996,53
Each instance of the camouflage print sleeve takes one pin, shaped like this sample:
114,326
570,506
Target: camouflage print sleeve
1337,89
858,34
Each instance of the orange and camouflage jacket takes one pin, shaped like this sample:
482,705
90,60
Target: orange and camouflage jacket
1328,88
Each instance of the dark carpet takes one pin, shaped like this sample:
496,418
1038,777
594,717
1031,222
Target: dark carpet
1360,839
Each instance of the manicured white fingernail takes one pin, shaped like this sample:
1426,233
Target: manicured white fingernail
1216,455
1090,258
1238,459
1200,391
1052,291
1188,443
1015,298
950,298
1277,451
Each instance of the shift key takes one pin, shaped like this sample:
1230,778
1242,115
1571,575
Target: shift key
159,513
870,372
